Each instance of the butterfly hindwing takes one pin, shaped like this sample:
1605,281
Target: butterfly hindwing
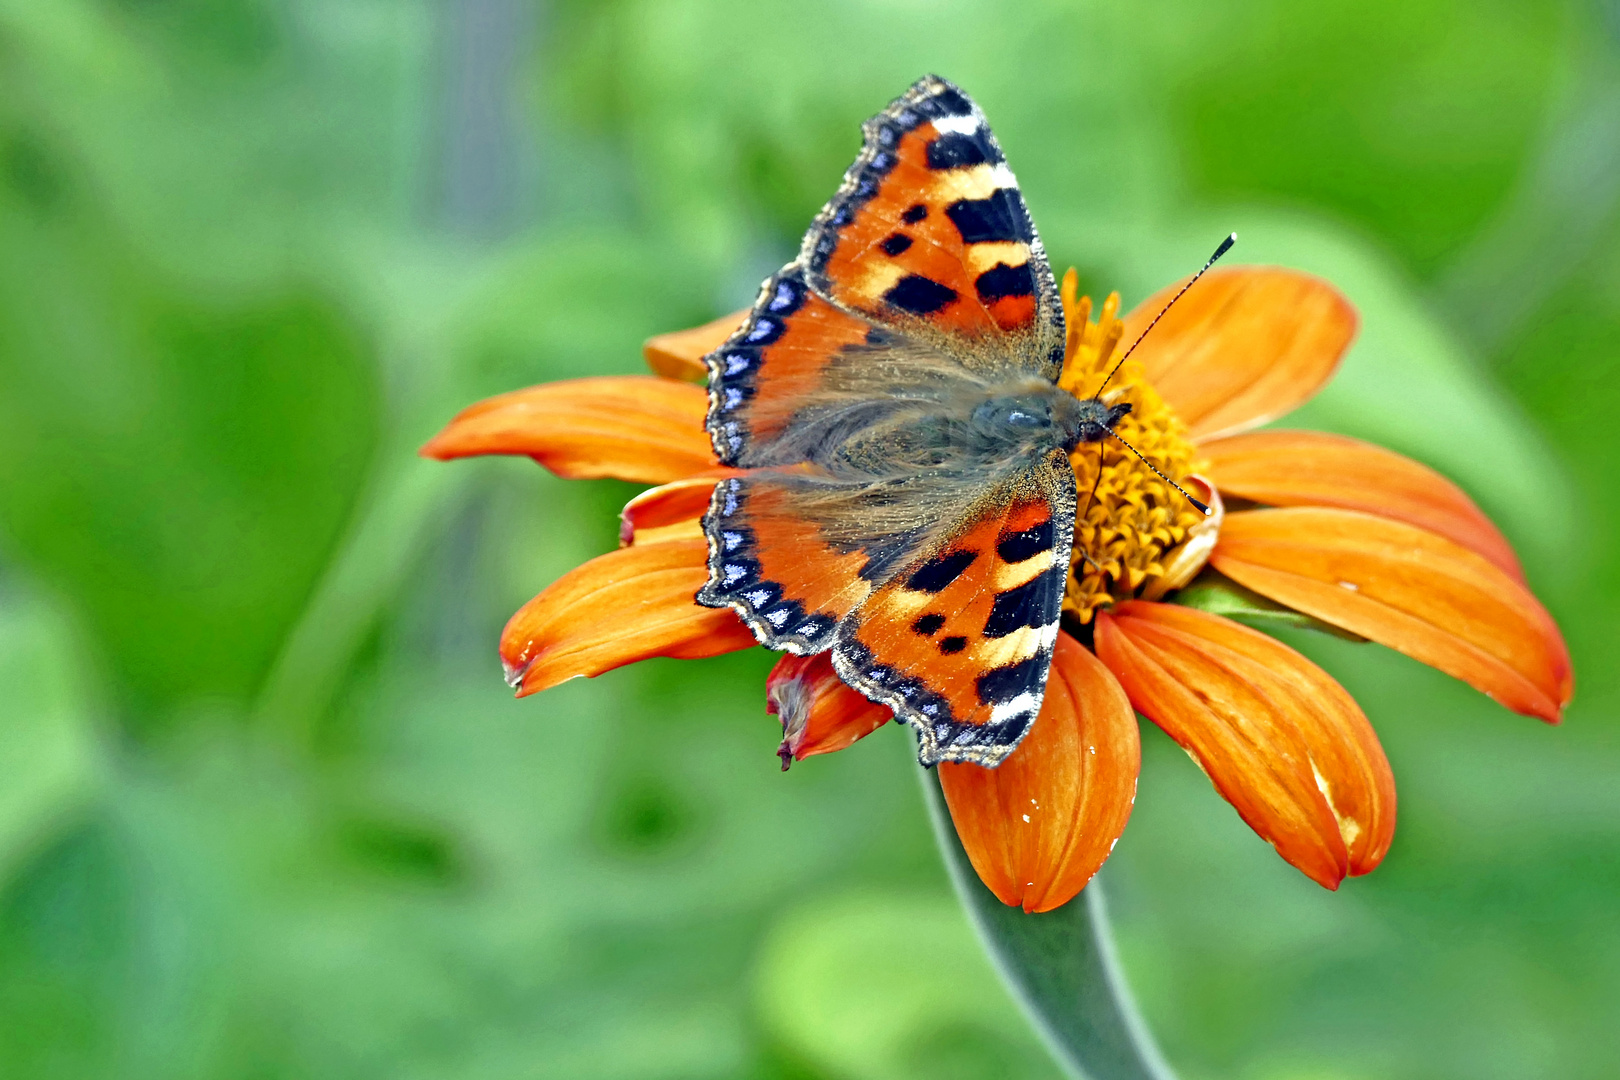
794,551
929,233
789,585
959,643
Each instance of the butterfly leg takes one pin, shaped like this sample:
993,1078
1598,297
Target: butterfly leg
1092,494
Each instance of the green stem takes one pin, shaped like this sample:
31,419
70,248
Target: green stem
1061,967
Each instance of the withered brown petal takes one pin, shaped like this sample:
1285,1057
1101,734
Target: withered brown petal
819,713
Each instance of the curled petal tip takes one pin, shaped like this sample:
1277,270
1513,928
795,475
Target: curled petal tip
679,354
657,512
819,713
514,673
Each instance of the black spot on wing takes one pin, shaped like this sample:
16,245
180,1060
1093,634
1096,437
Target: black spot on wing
1002,281
919,295
914,214
929,624
1018,546
865,178
952,645
938,572
954,150
1035,603
895,244
1005,683
1000,218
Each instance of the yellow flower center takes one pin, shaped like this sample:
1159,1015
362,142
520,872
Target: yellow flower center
1135,521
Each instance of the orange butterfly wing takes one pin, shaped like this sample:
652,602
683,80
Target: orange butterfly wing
761,378
790,585
921,285
929,232
959,644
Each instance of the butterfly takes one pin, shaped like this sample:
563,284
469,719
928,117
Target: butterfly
905,497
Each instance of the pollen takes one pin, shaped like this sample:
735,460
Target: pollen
1135,521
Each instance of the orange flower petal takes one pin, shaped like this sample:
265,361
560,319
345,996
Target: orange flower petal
1280,739
1040,825
674,503
679,354
819,713
627,605
1312,468
1407,588
631,427
1244,346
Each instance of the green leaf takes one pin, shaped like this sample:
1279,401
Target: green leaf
1061,966
1218,594
180,470
48,761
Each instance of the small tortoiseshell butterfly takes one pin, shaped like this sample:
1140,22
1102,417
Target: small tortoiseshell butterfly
908,501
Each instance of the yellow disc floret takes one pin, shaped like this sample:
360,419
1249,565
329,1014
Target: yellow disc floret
1134,519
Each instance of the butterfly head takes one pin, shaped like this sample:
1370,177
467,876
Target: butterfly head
1094,421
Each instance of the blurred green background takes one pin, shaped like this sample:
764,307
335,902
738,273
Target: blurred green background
266,808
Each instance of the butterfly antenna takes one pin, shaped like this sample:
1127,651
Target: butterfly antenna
1226,245
1202,508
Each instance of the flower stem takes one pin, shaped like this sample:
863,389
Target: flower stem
1061,967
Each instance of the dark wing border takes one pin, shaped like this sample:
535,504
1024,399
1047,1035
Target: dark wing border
734,365
736,580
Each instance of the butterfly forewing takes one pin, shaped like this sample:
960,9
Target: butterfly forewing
774,364
929,233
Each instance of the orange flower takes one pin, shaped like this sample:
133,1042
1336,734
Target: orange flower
1351,535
